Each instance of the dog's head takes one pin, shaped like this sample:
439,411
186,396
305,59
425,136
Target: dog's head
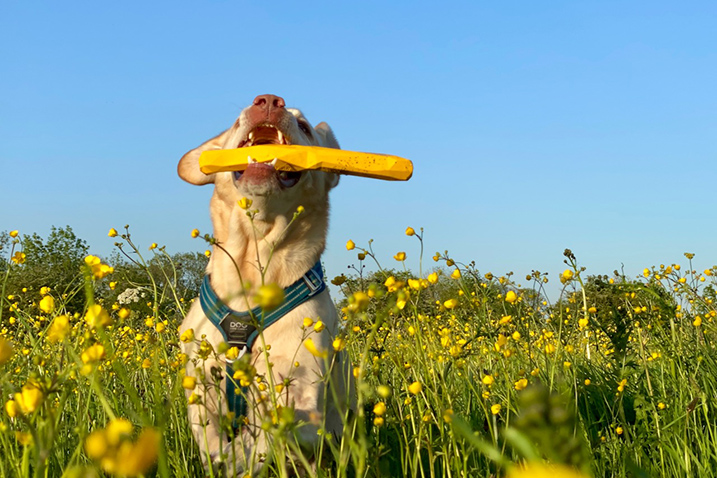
266,121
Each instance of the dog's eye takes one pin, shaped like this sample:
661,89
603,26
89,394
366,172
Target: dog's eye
305,128
289,179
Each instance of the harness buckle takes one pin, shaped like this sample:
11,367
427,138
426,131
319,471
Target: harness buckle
313,281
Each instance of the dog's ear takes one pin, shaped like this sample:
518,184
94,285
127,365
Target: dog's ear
326,136
188,167
328,140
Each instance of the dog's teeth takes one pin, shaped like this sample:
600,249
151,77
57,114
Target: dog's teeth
250,160
251,136
273,161
281,136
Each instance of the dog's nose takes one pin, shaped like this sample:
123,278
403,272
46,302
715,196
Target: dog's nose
267,102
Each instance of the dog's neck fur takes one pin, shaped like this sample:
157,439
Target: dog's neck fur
289,250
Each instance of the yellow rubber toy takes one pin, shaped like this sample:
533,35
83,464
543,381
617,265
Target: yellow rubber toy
297,158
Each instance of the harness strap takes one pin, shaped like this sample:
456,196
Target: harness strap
239,329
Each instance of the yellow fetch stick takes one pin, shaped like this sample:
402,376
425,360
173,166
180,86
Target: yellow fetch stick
297,158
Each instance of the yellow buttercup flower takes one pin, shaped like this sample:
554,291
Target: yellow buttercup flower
93,353
358,302
14,234
96,316
456,274
400,256
5,351
540,470
415,388
521,384
410,231
450,303
47,304
189,383
232,353
319,326
113,232
350,245
18,258
269,296
245,203
433,277
379,409
195,233
12,408
59,329
495,409
187,336
488,380
29,399
339,344
566,276
98,269
311,347
511,296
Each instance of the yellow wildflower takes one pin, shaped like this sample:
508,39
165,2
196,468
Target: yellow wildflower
96,316
433,277
245,203
12,408
511,296
18,258
29,399
415,388
450,303
311,347
93,353
269,296
495,409
14,233
488,380
350,245
456,274
400,256
410,231
540,470
384,391
113,232
358,302
59,329
521,384
195,233
339,344
379,409
187,336
5,351
189,383
47,304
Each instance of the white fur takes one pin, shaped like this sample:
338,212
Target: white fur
295,251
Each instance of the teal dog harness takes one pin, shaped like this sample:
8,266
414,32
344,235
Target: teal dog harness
240,330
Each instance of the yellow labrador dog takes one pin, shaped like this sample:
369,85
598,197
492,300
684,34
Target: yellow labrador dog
285,253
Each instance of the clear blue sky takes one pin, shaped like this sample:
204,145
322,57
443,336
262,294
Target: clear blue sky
533,126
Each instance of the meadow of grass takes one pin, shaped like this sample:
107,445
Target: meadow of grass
459,373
